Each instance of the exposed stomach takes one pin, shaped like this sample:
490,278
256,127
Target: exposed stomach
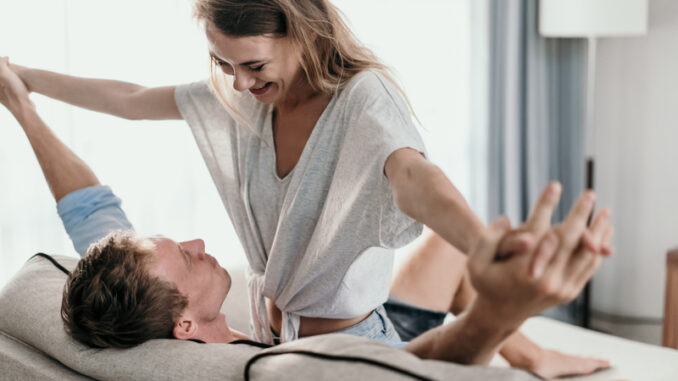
310,326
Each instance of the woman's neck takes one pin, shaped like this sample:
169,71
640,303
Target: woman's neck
300,93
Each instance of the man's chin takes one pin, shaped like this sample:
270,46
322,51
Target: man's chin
227,279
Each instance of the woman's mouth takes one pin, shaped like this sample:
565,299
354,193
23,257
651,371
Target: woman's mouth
261,90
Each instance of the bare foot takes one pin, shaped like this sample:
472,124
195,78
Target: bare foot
555,364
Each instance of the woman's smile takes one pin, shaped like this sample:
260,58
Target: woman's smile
261,90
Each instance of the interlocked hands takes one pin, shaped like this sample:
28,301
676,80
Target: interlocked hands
547,265
13,91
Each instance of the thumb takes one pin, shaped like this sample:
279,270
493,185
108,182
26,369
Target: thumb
488,245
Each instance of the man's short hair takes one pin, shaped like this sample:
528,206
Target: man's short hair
112,300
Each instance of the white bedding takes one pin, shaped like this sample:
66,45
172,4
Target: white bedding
630,360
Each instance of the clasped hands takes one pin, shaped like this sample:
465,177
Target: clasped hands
519,273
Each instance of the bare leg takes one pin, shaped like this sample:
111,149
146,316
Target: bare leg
64,171
434,277
431,275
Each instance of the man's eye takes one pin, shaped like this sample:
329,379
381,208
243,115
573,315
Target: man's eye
257,68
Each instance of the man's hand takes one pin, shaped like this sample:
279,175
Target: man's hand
551,271
13,91
523,238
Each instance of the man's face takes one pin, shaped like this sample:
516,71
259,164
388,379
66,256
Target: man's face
196,274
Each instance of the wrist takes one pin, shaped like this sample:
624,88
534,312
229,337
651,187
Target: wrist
22,109
491,316
22,71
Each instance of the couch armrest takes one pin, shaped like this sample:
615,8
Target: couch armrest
670,328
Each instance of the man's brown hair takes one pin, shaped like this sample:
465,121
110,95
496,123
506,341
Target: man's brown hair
111,299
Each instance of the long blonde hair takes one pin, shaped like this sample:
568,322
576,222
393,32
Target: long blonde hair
331,54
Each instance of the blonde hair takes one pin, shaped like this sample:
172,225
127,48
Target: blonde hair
331,54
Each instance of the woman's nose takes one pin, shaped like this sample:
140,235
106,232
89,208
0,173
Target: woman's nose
242,81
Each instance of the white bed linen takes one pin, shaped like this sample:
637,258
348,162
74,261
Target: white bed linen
629,360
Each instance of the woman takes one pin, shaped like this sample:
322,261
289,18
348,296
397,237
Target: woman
314,153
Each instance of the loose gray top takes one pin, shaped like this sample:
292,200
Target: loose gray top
320,241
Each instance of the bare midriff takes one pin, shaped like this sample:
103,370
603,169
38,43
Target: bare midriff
309,326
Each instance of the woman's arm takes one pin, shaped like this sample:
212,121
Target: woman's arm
122,99
423,192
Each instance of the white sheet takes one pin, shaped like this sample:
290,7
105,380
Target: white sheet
630,360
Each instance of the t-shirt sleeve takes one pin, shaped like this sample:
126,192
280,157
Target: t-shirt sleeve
380,124
89,214
196,102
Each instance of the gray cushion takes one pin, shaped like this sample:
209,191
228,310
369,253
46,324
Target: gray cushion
30,305
34,345
375,361
19,361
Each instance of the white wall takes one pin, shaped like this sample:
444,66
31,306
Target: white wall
637,156
155,167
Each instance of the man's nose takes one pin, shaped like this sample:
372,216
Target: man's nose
196,246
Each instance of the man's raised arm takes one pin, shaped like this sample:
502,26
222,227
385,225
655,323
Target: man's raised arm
64,171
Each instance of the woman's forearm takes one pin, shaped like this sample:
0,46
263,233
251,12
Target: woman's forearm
122,99
423,192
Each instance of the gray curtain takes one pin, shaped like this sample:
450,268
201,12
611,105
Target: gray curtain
536,117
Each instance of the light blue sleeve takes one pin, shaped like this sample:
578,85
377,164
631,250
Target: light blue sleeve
89,214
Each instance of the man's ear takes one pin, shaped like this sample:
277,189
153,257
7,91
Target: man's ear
185,328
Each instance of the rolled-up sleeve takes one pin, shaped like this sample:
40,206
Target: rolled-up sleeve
89,214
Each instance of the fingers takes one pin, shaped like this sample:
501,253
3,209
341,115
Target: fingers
540,218
571,229
4,64
544,253
486,249
515,242
592,238
571,263
597,259
607,250
585,262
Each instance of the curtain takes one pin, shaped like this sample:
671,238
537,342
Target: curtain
536,116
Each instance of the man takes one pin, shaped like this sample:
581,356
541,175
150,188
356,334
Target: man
128,289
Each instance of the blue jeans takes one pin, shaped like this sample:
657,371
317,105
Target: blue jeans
377,326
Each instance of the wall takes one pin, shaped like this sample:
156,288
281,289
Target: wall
637,153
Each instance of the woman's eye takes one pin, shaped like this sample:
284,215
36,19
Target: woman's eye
257,68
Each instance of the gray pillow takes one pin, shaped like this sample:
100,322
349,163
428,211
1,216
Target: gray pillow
31,303
344,357
33,344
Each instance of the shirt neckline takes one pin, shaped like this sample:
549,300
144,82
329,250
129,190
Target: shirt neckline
309,141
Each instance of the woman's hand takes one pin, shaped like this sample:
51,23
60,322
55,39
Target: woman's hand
13,91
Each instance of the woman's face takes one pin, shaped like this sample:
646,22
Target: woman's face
267,67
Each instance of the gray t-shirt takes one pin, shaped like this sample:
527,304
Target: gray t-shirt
320,241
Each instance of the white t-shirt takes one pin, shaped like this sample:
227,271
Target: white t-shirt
320,241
